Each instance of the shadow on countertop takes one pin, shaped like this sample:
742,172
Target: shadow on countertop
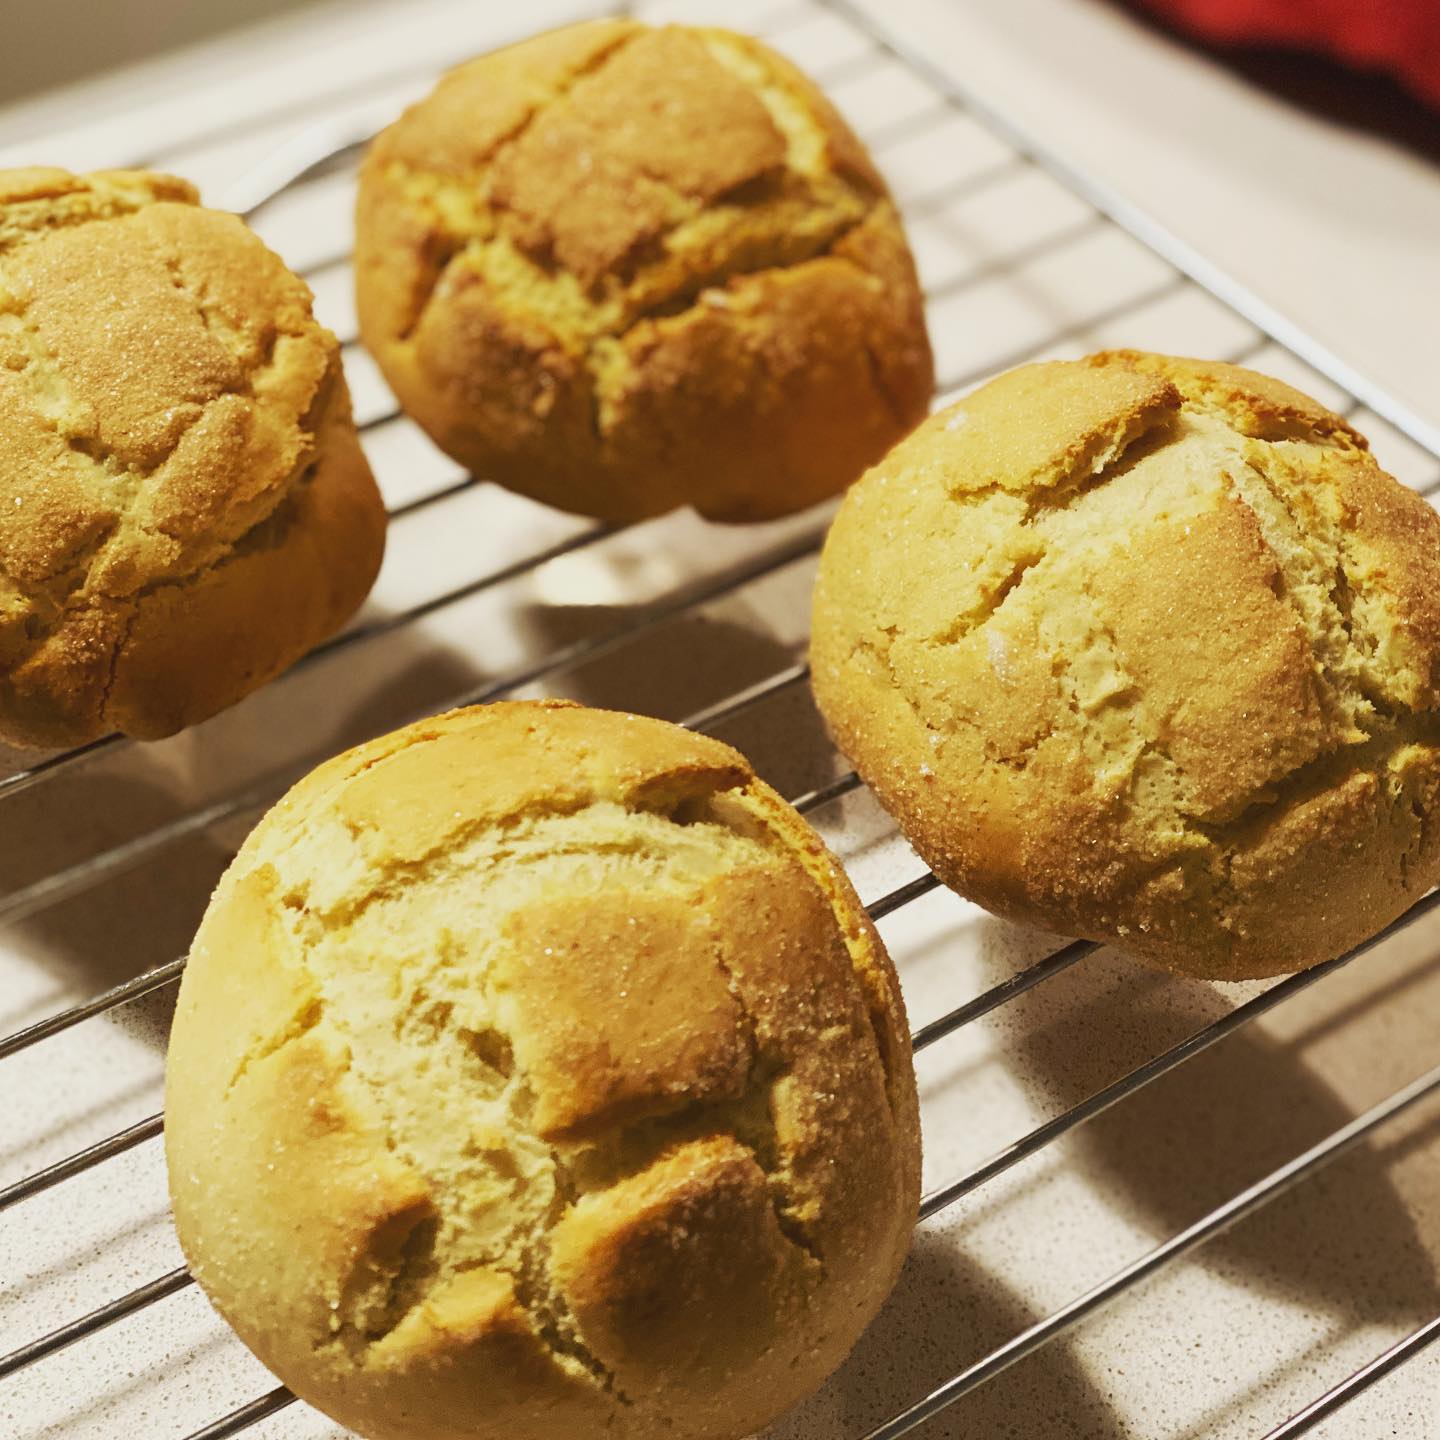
1191,1139
947,1311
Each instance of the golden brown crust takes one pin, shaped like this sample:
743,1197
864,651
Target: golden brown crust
1149,656
649,1264
184,507
536,1067
579,294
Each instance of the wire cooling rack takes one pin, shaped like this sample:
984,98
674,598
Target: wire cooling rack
1043,1207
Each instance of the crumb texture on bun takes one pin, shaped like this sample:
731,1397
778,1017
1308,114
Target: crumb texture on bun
1146,650
536,1072
184,507
622,269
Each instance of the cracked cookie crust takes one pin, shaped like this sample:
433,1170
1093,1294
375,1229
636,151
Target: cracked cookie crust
536,1068
184,508
1146,650
622,269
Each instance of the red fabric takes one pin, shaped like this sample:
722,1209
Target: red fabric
1399,36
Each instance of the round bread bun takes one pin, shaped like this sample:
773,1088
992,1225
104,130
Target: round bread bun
1146,650
184,507
537,1073
623,269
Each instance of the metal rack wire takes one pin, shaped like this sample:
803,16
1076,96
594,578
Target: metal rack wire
1171,274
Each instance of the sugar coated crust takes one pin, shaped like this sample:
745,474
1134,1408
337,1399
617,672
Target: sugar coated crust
622,269
1146,649
184,507
536,1072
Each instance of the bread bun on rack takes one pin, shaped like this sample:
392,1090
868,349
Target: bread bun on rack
623,269
536,1072
184,507
1146,650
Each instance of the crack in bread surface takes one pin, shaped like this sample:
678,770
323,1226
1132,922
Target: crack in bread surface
799,215
61,207
459,206
408,957
1055,542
